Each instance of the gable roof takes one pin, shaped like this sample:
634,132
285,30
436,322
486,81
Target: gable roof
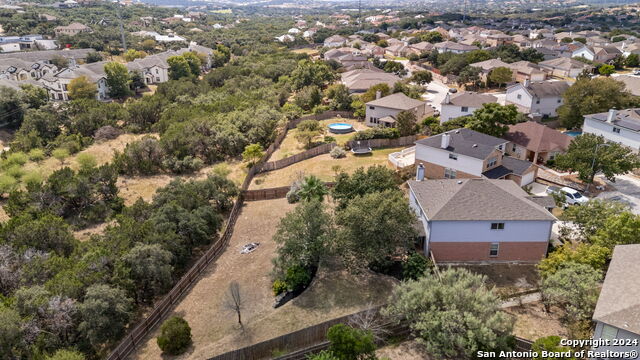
490,64
476,200
545,89
470,99
398,101
363,79
563,63
537,137
628,118
619,301
466,142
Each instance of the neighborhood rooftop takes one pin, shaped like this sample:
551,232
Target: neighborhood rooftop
466,142
628,118
545,89
619,301
537,137
476,199
470,99
398,101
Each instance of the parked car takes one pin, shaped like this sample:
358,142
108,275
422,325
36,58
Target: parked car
636,72
571,196
248,248
453,90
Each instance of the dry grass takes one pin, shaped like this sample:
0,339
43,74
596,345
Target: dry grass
406,350
290,146
321,166
215,330
87,233
518,276
532,322
308,51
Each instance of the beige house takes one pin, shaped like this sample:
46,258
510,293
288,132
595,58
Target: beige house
71,29
535,142
383,111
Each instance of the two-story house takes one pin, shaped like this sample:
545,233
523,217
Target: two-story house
480,220
621,126
537,98
453,47
463,104
616,315
464,153
383,110
535,142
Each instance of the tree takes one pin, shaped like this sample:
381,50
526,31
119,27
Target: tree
633,60
432,37
60,62
588,156
307,98
347,343
195,64
422,77
374,227
86,161
620,229
148,44
371,93
591,216
394,67
60,154
469,75
47,233
590,96
415,266
11,106
406,123
10,332
303,237
306,131
340,98
363,181
93,56
606,70
234,301
573,288
33,96
252,154
493,119
105,312
501,75
453,315
82,88
133,54
175,336
178,67
532,55
64,354
311,73
550,344
117,80
150,269
312,188
595,256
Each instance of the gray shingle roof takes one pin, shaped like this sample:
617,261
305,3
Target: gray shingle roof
619,301
466,142
476,200
397,101
628,118
470,99
545,89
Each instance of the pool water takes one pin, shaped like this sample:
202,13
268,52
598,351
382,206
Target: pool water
573,133
340,128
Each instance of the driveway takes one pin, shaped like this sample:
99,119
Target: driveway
627,191
435,93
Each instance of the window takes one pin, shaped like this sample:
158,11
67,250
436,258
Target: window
449,173
500,147
157,71
465,109
538,101
453,156
519,96
497,226
609,332
616,130
493,249
492,162
372,107
559,101
514,148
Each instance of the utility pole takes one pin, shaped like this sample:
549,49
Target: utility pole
464,16
360,13
124,41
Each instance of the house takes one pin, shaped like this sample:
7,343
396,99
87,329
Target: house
360,80
479,220
525,70
616,315
456,48
334,41
57,84
73,56
535,142
499,39
154,68
24,70
71,29
606,54
383,111
565,67
632,83
464,153
463,104
537,98
159,37
487,66
621,126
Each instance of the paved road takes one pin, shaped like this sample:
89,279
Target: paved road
627,191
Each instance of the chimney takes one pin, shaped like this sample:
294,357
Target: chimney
612,115
445,141
420,172
447,98
527,83
378,94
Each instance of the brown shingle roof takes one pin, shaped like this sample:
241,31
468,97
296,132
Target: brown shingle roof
537,137
619,301
476,200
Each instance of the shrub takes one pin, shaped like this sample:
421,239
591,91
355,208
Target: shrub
188,164
415,267
293,195
279,287
32,178
16,158
7,184
36,154
142,157
309,125
297,277
15,171
319,109
175,336
107,133
377,133
329,139
86,161
337,153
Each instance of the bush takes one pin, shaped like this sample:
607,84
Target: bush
309,125
279,287
175,336
329,139
86,161
107,133
16,158
188,164
415,267
297,277
15,171
36,154
293,195
377,133
337,152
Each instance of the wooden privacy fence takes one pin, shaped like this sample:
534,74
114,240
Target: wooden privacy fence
279,164
162,307
271,193
378,143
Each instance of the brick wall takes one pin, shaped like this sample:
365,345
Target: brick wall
531,252
433,171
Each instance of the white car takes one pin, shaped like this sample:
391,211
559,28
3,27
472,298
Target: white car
249,248
571,196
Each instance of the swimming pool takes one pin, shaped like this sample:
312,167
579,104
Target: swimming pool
573,133
340,128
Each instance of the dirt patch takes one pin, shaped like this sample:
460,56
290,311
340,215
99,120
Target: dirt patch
521,277
532,322
86,234
406,350
215,329
5,138
323,166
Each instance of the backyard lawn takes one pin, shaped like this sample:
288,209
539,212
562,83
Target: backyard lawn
290,146
215,329
322,166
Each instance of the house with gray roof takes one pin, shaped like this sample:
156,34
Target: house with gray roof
564,67
540,99
464,154
360,80
617,313
383,110
479,220
463,104
621,126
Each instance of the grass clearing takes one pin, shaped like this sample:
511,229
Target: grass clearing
322,166
215,330
532,322
406,350
290,146
520,277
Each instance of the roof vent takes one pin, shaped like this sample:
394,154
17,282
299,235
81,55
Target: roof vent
458,131
475,145
459,182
